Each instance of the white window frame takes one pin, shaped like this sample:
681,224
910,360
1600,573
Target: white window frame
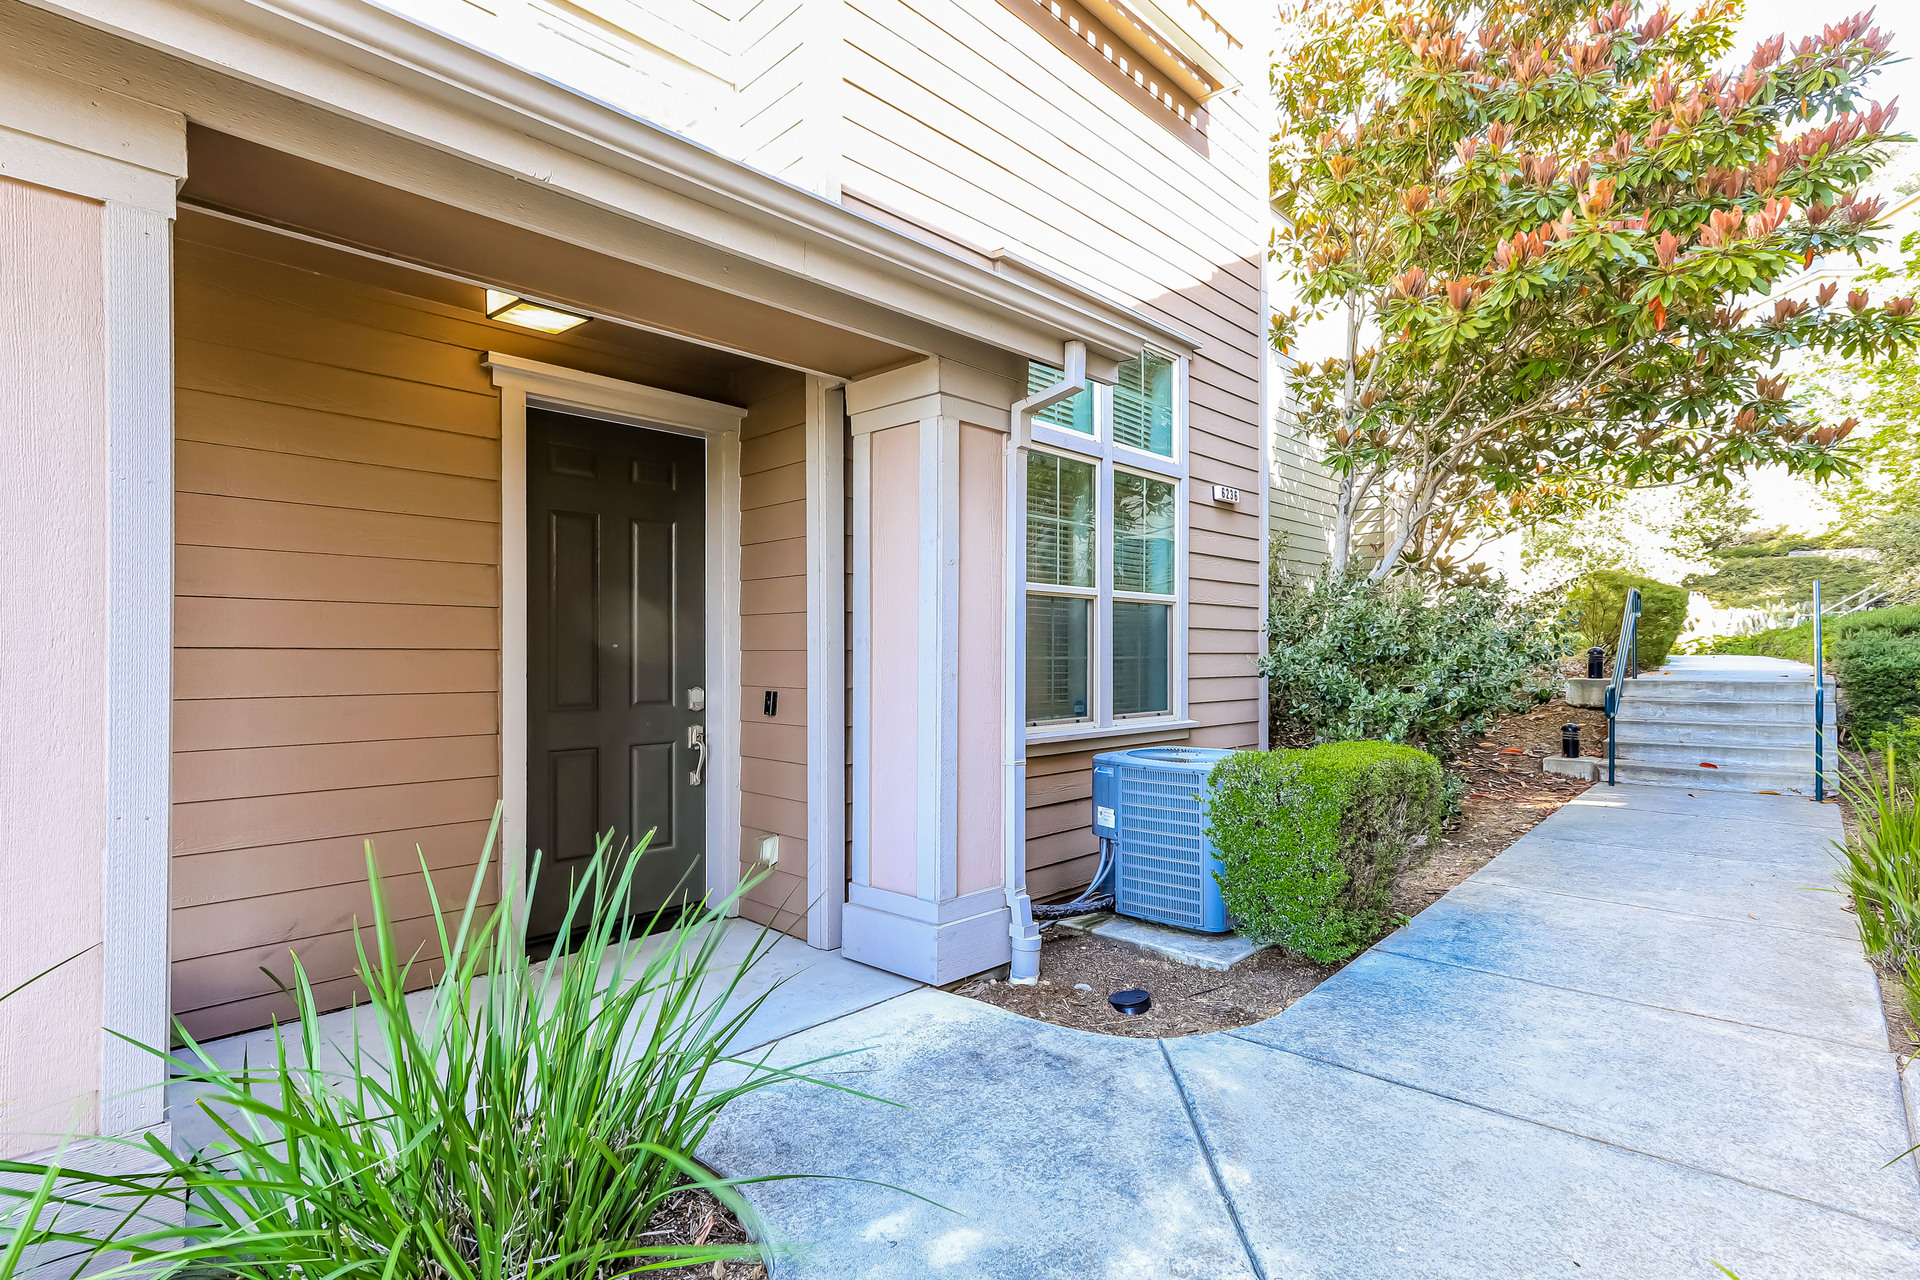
1107,455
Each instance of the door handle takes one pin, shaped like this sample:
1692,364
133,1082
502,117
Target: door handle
697,739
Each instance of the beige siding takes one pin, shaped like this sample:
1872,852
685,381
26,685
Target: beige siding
336,621
773,652
962,118
337,666
1302,501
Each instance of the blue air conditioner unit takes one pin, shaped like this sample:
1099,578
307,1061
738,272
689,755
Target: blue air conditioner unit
1147,803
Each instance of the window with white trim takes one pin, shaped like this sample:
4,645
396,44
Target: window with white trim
1106,551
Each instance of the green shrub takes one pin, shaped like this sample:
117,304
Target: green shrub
1309,840
1902,738
1351,659
1598,601
1796,643
516,1121
1879,671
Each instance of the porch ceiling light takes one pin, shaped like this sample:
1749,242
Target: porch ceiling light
530,315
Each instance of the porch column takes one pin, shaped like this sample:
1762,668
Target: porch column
927,897
87,183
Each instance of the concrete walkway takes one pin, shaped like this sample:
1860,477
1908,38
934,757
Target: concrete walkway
1634,1045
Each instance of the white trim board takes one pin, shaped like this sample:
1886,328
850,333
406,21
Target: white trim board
135,950
826,661
530,383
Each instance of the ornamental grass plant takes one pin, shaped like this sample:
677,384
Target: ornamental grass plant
1880,868
516,1120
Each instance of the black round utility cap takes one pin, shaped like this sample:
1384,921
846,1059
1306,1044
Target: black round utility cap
1131,1001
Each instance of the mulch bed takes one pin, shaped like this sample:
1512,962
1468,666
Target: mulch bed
1507,796
697,1217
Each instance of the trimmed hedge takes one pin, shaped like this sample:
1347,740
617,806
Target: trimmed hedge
1879,672
1598,601
1309,840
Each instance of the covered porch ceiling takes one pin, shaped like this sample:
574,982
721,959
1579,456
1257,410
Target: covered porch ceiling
705,341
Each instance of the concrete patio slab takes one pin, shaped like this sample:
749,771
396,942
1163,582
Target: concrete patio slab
1756,839
1804,983
1666,1084
1056,1153
1711,804
804,986
1729,888
1337,1174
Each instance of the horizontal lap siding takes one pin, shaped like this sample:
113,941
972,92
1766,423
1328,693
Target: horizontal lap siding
773,654
964,119
1303,497
336,623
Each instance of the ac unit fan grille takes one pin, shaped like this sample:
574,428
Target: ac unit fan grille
1163,856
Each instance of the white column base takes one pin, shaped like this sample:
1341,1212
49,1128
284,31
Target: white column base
901,935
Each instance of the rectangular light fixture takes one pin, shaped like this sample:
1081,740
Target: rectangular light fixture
514,309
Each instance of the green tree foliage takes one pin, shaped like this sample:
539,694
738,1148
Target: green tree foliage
1745,582
1541,225
1656,533
1598,603
1896,537
1309,841
1355,657
1882,390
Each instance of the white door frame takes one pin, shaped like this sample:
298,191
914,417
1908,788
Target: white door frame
530,383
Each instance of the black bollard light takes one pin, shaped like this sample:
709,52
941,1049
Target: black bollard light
1596,662
1570,740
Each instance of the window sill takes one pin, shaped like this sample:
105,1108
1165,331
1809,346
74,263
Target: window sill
1059,742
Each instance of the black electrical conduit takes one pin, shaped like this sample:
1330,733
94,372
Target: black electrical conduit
1090,899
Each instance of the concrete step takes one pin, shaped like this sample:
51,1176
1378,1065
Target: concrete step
1765,733
1788,783
1784,689
1638,710
1723,755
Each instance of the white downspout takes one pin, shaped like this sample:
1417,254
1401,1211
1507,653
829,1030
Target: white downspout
1025,968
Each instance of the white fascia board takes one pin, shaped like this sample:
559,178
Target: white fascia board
1185,30
1167,338
297,48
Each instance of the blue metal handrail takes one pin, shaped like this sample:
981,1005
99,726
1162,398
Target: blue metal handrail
1819,705
1626,662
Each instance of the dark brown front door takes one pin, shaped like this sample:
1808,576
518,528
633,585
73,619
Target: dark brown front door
616,524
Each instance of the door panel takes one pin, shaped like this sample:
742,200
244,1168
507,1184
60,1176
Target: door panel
616,609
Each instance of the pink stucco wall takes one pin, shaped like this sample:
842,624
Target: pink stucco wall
52,660
894,587
982,607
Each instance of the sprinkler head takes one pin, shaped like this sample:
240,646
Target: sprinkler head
1131,1002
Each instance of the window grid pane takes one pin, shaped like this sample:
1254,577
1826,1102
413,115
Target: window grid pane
1143,534
1141,661
1143,404
1074,414
1057,641
1060,520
